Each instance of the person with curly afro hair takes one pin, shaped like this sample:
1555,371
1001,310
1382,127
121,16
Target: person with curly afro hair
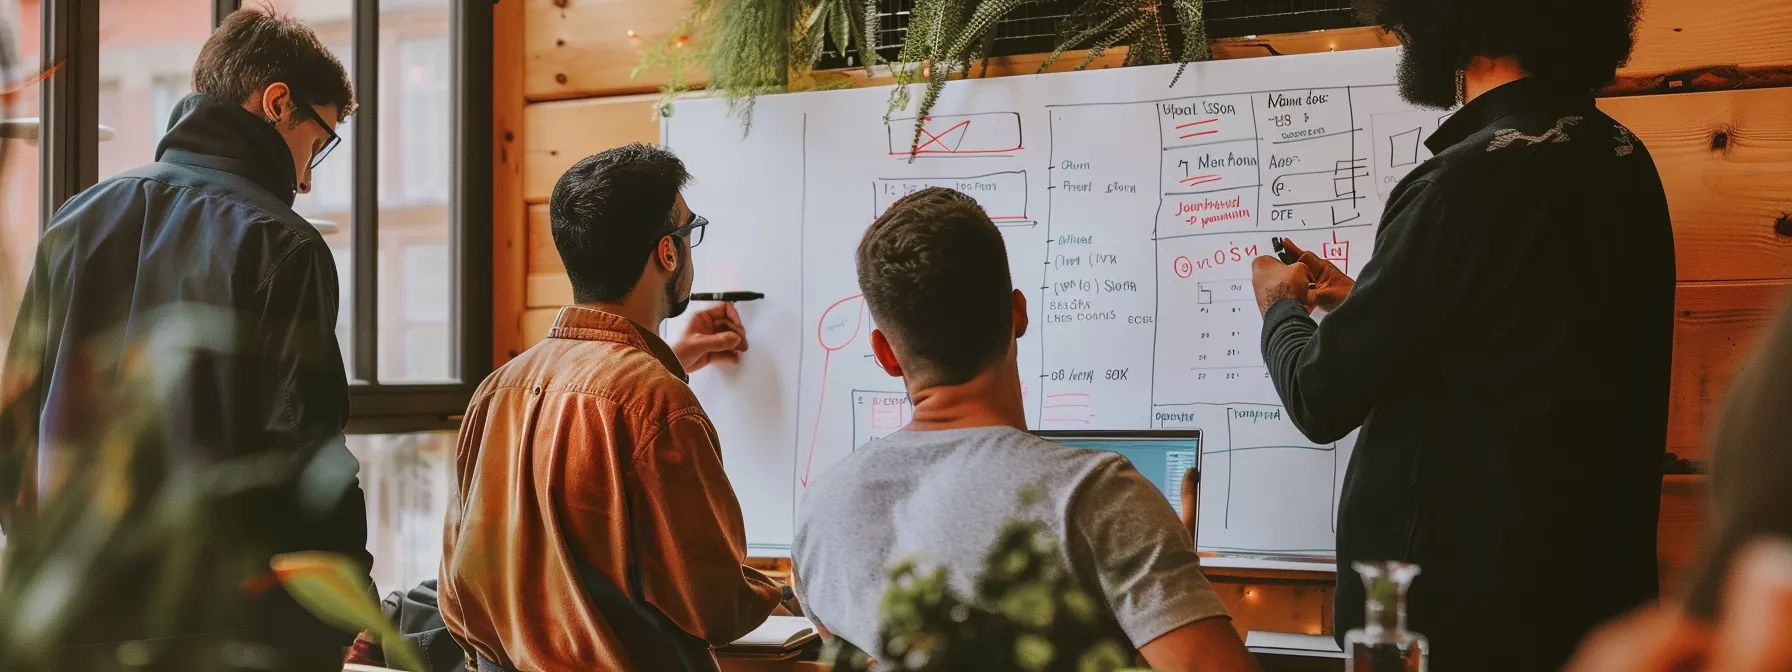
1506,351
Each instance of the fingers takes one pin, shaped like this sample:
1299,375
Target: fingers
1300,270
732,324
1263,266
1758,611
717,343
1655,639
1321,267
1288,244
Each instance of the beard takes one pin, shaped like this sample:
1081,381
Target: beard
1428,73
675,305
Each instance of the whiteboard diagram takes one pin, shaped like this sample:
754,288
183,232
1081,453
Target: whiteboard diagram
1131,212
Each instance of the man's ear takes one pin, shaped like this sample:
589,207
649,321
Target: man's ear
1020,314
274,100
666,254
886,357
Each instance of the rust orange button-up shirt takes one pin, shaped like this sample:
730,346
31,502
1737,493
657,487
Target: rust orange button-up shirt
582,460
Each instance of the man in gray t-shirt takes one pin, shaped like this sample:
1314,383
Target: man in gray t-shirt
935,276
941,497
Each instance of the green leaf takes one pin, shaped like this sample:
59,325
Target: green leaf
326,584
1032,653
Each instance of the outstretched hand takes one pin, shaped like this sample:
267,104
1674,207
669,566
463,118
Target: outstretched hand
713,335
1331,285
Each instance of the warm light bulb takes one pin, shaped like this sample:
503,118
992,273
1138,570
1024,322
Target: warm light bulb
631,33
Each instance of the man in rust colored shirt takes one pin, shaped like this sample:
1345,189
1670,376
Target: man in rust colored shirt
594,528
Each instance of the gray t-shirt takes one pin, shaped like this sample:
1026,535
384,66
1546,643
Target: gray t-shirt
940,498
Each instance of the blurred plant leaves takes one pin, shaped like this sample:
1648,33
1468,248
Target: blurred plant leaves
327,585
1029,615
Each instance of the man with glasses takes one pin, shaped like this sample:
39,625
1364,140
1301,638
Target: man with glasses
192,282
593,527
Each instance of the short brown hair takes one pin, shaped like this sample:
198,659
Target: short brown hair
934,270
256,47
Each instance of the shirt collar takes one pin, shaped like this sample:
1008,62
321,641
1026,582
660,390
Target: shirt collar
590,324
1503,101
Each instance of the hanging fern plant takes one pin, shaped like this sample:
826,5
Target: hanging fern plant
755,47
1100,25
944,37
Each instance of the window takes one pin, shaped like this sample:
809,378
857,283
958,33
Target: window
409,481
143,45
164,93
404,194
20,170
424,65
424,313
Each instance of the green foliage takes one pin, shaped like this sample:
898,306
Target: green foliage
1029,615
152,547
944,37
1100,25
325,583
755,47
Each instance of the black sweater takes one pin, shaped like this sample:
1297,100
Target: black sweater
1506,354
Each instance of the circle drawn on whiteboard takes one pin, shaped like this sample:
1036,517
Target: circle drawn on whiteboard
1184,267
840,323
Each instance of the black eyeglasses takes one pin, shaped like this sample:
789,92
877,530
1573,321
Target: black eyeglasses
693,230
318,156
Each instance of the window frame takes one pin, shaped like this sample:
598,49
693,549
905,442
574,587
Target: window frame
69,100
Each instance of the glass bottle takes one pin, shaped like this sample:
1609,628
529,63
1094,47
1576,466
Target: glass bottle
1384,644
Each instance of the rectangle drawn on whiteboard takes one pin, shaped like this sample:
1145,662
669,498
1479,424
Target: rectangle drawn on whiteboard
950,135
1003,195
877,415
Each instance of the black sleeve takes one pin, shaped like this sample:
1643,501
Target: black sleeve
1750,465
1330,374
21,405
308,401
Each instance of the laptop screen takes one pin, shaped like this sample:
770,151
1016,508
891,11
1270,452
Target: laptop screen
1162,457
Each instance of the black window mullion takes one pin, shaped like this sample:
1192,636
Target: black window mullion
68,128
221,9
470,206
365,206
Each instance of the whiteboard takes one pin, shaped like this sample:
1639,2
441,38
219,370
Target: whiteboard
1131,212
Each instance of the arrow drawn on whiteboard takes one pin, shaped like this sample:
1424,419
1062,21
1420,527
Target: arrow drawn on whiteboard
829,332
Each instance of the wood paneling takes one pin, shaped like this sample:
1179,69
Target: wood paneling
1715,325
1726,161
510,236
1683,503
1298,607
549,290
1703,45
579,48
547,284
537,322
559,134
543,258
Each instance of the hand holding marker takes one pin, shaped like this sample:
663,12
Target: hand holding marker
1288,256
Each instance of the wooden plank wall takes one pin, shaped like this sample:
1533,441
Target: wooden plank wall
1700,91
